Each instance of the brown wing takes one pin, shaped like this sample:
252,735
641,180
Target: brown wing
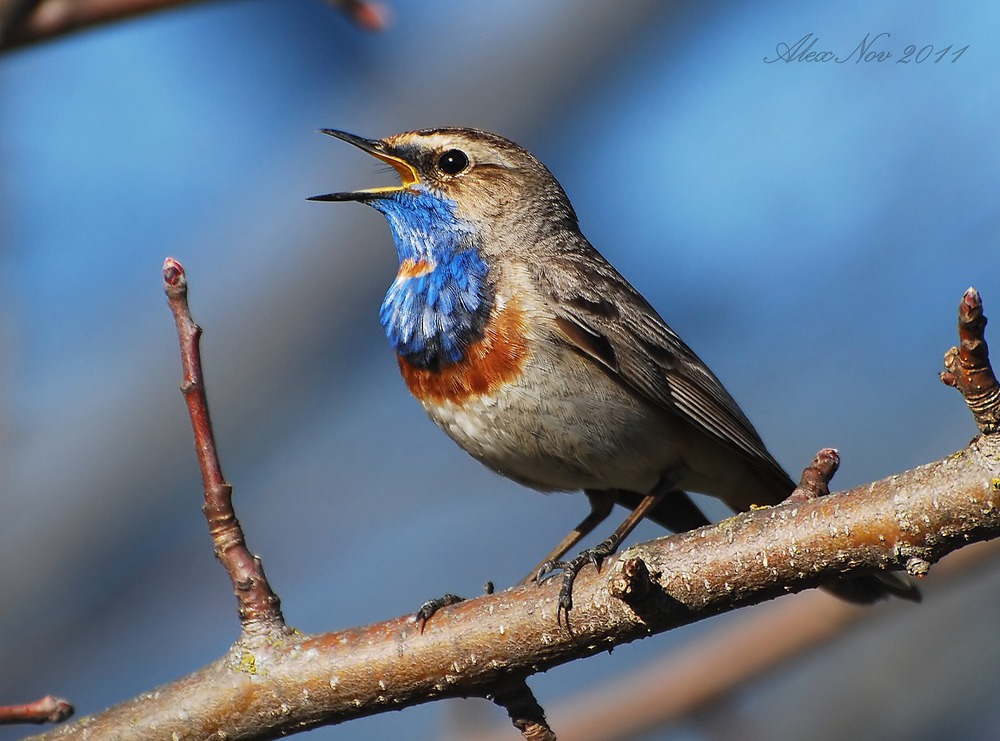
610,322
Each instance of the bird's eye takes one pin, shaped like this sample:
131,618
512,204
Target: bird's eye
453,162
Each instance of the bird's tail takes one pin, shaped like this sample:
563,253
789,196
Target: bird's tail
865,589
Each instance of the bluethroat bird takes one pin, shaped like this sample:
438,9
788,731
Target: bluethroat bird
541,361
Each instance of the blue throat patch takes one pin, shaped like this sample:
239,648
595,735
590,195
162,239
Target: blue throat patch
440,300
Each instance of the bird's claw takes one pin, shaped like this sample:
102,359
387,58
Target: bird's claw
549,569
431,606
570,570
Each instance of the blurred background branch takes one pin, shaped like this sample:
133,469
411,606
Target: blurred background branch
30,21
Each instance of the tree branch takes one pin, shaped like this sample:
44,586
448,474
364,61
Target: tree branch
925,514
720,662
486,647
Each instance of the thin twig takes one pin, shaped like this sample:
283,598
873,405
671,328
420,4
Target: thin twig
259,606
815,481
967,367
49,709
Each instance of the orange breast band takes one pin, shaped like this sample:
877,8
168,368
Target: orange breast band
489,363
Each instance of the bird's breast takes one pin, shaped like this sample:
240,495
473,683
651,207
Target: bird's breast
528,408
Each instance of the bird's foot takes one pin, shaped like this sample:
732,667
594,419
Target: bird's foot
431,606
571,568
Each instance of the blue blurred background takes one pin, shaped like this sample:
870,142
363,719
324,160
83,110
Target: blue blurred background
808,228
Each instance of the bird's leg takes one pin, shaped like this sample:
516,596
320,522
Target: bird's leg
601,504
597,554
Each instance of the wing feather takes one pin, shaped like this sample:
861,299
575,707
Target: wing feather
611,323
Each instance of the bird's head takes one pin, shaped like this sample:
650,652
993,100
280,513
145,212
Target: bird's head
458,178
467,200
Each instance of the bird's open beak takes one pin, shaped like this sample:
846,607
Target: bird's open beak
376,148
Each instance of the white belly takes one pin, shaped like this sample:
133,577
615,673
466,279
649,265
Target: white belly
554,432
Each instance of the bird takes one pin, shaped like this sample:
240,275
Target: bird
535,355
